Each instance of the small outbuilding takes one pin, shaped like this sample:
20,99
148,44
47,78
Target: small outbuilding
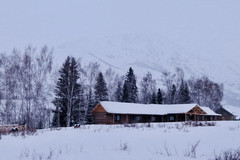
226,115
123,113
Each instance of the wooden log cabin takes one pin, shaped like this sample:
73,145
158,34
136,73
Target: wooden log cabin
226,115
123,113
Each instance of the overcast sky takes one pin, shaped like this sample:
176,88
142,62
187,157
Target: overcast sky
203,27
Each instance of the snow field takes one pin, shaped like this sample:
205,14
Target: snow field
142,141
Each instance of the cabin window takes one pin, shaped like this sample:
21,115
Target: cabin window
117,117
153,118
138,118
171,118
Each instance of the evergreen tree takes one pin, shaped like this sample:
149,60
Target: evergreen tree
179,97
67,94
183,95
159,97
172,95
186,93
154,98
56,114
101,92
130,89
118,93
89,116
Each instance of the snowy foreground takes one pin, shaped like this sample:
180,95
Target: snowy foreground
156,141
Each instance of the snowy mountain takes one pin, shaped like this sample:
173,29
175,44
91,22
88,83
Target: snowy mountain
202,37
154,53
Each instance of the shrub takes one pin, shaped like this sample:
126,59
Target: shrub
229,155
192,151
124,146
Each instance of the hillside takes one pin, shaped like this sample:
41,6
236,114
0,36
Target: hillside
152,52
169,141
202,37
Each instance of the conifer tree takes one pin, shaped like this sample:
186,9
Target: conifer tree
130,89
172,95
186,93
183,95
101,92
154,98
118,93
67,94
159,97
89,116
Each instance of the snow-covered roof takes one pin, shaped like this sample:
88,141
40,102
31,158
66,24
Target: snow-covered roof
150,109
209,111
234,110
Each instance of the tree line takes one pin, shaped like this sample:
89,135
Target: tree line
29,87
25,88
76,97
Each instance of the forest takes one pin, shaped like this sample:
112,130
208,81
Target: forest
35,93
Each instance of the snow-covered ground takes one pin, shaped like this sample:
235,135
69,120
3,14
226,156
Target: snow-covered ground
143,142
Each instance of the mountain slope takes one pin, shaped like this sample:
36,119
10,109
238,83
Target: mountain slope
202,37
152,52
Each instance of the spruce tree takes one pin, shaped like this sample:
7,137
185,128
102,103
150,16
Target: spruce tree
130,89
184,96
89,115
101,92
187,98
159,97
180,95
67,93
173,93
154,98
118,93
